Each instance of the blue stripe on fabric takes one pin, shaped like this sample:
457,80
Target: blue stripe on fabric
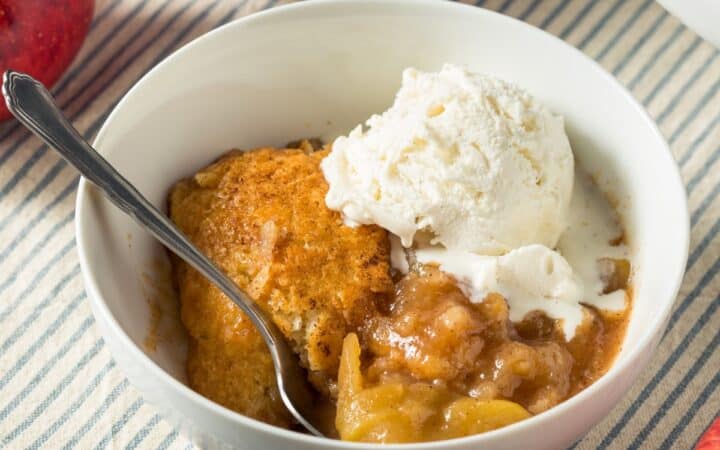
110,37
554,14
167,442
707,276
655,57
677,391
40,341
190,446
505,6
611,12
183,33
35,281
23,170
698,140
707,165
100,17
696,110
529,10
712,195
143,433
700,248
77,70
46,180
230,14
640,42
623,29
40,441
664,370
576,21
670,73
35,250
10,130
112,59
38,218
119,424
682,92
55,393
84,326
87,426
600,24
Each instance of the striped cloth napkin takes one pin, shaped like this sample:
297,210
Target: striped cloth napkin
59,387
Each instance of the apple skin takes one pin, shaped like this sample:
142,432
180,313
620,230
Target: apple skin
41,37
711,439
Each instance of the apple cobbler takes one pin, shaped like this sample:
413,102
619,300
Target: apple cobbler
403,355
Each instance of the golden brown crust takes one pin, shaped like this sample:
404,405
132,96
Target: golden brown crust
237,375
261,216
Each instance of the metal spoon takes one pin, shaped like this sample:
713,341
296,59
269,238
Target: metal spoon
29,101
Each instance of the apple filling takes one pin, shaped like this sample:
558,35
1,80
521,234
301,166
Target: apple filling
437,366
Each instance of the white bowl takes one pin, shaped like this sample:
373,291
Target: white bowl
318,68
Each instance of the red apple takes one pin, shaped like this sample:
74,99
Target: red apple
711,439
41,37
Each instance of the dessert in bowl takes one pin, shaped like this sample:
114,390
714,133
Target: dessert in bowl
439,273
314,250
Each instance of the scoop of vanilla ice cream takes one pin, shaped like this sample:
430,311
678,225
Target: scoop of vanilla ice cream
472,159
